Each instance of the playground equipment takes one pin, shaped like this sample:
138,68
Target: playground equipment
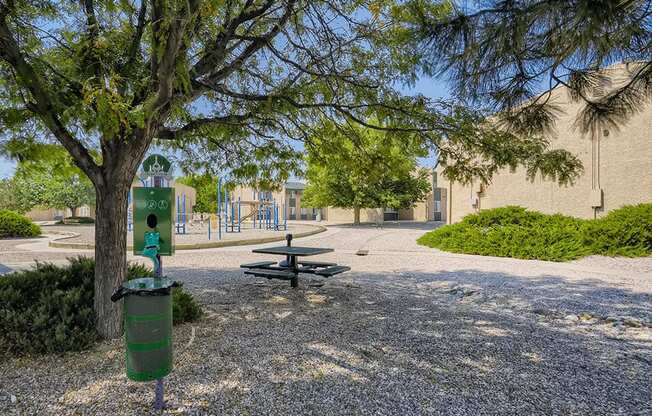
148,301
263,210
182,217
130,213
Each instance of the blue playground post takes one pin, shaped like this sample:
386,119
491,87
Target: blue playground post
239,212
219,208
226,212
285,217
209,228
181,214
129,212
254,209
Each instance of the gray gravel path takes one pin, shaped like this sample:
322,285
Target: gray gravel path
410,331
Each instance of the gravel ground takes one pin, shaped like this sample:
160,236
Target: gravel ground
410,331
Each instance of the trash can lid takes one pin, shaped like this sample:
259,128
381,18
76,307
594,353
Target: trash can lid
145,286
149,284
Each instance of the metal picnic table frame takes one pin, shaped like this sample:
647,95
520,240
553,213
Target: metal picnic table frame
291,267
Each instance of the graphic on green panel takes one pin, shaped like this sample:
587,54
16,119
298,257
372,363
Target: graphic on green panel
154,213
156,165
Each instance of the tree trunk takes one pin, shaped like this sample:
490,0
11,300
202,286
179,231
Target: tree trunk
73,211
356,215
110,255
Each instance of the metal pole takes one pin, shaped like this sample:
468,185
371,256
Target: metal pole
159,402
227,212
239,212
159,398
178,215
232,215
209,226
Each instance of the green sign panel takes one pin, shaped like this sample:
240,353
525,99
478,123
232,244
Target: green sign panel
157,165
154,212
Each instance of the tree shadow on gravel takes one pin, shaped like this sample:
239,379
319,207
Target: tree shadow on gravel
410,343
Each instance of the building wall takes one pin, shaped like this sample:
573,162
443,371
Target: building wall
617,163
333,214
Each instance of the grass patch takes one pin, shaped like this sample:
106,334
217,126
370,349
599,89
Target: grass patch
49,309
516,232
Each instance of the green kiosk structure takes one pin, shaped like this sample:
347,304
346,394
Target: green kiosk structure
148,301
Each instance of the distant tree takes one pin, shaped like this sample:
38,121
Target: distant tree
504,53
69,192
46,176
28,191
206,187
19,195
355,167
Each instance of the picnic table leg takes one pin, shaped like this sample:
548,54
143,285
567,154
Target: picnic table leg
294,282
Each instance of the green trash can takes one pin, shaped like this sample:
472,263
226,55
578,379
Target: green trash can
148,326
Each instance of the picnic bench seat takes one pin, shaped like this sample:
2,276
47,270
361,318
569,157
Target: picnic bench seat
313,264
257,264
331,271
272,274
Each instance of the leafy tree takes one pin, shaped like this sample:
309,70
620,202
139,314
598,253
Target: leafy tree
358,168
206,187
229,84
69,192
18,195
47,176
504,53
31,189
28,191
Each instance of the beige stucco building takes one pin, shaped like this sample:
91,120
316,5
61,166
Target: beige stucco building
617,169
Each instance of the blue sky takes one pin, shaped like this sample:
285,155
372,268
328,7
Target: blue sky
432,88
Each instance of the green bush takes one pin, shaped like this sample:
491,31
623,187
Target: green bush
50,308
516,232
13,224
624,232
184,307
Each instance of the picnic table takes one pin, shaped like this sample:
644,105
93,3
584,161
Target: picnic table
290,268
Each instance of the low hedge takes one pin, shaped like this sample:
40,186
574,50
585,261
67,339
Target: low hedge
624,232
50,308
12,224
516,232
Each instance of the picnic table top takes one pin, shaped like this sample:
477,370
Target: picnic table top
293,250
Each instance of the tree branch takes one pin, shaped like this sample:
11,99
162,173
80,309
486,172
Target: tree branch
254,46
171,134
216,51
43,105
